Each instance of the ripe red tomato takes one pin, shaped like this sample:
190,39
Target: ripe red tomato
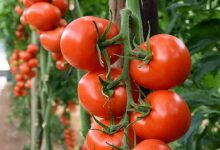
24,69
20,84
19,34
19,77
50,40
90,92
62,65
169,66
20,27
33,62
31,74
97,139
18,10
43,16
168,119
28,3
32,49
28,84
24,55
152,144
56,56
61,4
23,92
23,18
78,43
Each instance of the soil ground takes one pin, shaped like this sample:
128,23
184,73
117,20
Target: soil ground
10,137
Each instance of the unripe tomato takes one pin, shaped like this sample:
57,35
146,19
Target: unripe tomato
101,105
169,67
61,4
43,16
33,62
152,144
56,56
96,140
50,40
168,119
78,43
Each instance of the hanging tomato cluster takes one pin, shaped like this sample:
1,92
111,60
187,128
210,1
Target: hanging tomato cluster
23,66
46,18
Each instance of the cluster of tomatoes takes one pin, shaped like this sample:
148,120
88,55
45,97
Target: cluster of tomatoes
160,117
20,32
23,66
49,25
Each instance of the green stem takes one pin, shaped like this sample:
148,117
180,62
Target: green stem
85,117
78,8
137,27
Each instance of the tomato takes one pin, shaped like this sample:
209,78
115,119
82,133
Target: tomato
17,88
19,34
28,84
31,74
97,139
18,10
24,69
24,55
56,56
23,18
20,27
169,66
33,62
32,49
23,92
20,84
61,4
152,144
43,16
28,3
168,119
62,65
90,92
63,22
19,77
78,43
50,40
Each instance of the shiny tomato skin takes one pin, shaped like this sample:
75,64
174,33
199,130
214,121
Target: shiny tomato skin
50,40
28,3
24,55
169,67
23,18
43,16
24,69
19,77
97,139
92,99
152,144
168,119
78,43
61,4
18,10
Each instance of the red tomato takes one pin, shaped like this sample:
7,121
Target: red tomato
78,43
63,22
61,4
24,69
169,66
18,10
23,92
24,55
56,56
28,84
19,77
20,27
28,3
32,49
20,84
43,16
17,88
90,92
31,74
168,120
50,40
62,65
33,62
19,34
152,144
97,139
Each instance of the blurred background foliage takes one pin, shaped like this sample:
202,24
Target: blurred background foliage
197,22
